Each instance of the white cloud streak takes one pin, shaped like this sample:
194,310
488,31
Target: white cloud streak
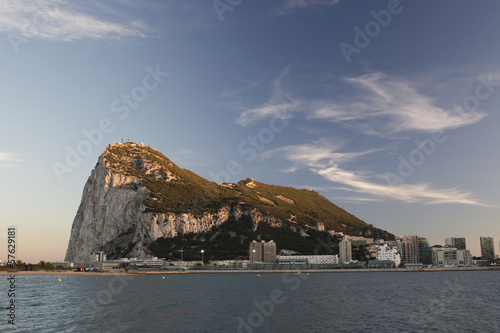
280,105
381,105
291,5
55,20
325,160
321,154
383,97
8,160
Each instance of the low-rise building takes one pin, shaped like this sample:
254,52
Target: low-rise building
326,259
125,262
448,256
96,256
64,264
381,264
415,267
386,252
229,263
359,240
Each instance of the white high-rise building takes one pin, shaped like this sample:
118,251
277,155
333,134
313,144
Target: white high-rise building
386,252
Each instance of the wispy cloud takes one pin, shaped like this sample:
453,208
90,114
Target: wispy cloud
411,193
8,160
327,160
55,21
290,5
395,104
281,105
320,154
379,105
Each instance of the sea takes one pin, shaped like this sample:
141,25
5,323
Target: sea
447,301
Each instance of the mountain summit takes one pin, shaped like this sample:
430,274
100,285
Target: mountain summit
136,200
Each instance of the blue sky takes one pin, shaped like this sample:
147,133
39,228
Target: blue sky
387,108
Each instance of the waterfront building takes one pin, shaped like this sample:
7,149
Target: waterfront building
409,250
262,252
447,256
126,262
487,249
464,257
414,267
345,250
64,264
456,242
386,252
97,256
424,251
381,264
229,263
327,259
396,244
359,240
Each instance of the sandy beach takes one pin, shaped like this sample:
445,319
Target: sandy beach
19,273
358,270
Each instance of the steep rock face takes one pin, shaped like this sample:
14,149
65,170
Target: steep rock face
112,217
111,204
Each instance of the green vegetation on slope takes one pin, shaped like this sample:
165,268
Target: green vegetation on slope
176,190
231,240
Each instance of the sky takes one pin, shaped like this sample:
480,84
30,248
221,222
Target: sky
387,108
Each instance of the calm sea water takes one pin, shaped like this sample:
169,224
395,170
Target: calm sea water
277,302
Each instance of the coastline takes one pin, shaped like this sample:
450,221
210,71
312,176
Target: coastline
243,271
30,273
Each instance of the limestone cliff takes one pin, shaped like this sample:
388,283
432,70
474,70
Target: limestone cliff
113,216
135,195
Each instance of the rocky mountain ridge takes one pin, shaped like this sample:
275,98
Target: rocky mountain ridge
136,196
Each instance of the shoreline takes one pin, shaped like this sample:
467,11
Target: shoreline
245,271
29,273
